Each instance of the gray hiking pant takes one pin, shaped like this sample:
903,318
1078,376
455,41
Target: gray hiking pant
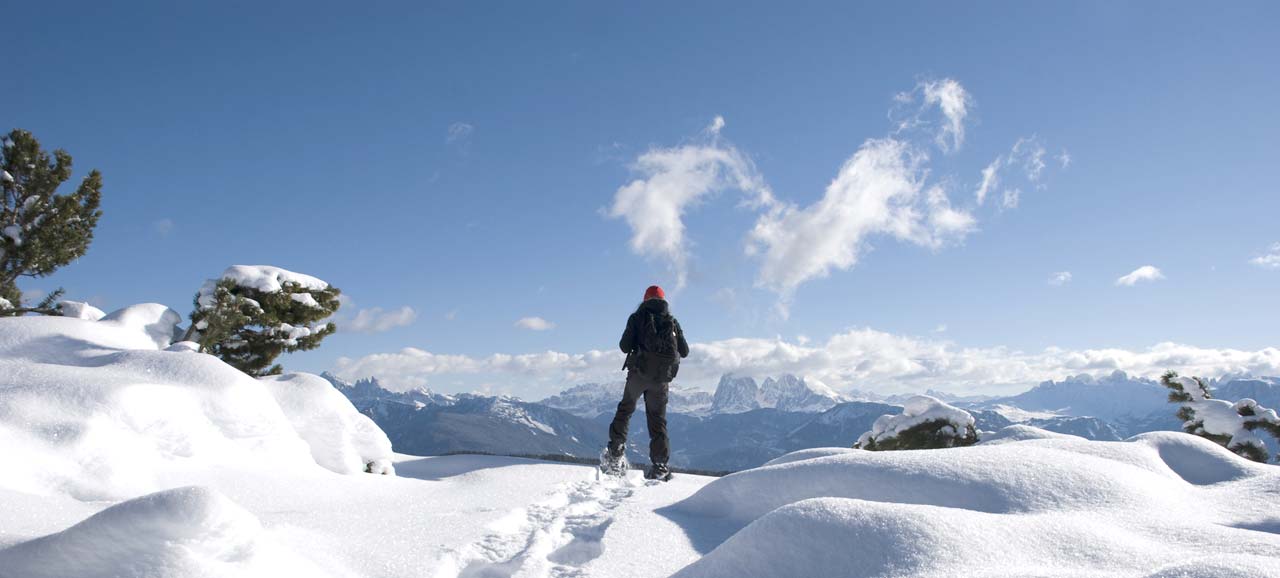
655,410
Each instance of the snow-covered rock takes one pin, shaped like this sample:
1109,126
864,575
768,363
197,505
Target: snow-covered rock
917,411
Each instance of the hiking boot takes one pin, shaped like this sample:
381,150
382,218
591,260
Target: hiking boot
613,462
658,472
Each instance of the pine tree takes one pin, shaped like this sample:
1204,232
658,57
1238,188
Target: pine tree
40,230
1230,425
249,327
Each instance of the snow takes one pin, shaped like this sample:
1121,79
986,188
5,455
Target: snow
6,177
1154,505
917,410
129,455
189,531
81,310
341,440
305,299
264,278
5,303
13,232
1223,418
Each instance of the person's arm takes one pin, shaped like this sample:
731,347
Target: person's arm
628,341
680,342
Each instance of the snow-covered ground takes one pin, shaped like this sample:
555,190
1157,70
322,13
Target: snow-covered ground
126,455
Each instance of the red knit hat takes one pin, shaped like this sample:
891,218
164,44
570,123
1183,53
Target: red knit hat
654,292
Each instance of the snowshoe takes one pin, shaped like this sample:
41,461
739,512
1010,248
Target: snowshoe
614,463
658,472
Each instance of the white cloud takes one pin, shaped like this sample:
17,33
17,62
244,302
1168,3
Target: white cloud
458,131
855,359
674,180
163,227
1011,198
1030,153
954,101
1269,259
1060,278
1143,273
990,179
1064,158
717,124
375,320
535,324
941,328
878,191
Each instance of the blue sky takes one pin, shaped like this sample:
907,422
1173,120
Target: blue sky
465,161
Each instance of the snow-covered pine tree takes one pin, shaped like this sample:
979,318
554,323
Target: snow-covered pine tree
252,314
1231,425
40,230
925,423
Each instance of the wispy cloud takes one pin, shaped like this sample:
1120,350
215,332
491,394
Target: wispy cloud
376,320
1143,273
1270,259
1064,158
1060,278
990,179
163,227
535,324
879,191
673,180
945,96
459,132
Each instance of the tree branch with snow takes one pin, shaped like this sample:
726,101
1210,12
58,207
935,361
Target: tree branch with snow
1231,425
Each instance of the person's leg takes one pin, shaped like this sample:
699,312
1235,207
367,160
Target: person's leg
630,394
655,411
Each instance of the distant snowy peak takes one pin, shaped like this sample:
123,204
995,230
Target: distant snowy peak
738,394
592,399
364,392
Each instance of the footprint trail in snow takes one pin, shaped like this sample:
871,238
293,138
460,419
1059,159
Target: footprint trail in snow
553,538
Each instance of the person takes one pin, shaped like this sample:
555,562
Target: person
654,344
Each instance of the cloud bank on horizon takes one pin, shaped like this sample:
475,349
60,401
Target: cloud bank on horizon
864,359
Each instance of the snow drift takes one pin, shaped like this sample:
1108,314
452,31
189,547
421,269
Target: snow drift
191,532
1160,504
100,410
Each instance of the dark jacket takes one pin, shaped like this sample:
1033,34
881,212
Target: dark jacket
631,335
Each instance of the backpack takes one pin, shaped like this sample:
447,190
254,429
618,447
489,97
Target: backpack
659,358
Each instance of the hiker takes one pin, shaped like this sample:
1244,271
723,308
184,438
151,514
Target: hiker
654,344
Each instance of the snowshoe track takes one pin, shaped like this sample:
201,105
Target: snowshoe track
553,538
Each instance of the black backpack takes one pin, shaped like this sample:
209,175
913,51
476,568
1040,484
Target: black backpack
659,357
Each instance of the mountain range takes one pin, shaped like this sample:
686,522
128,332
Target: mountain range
746,422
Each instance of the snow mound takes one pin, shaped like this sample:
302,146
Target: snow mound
179,533
80,310
1156,505
918,410
97,410
158,322
1020,432
341,439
